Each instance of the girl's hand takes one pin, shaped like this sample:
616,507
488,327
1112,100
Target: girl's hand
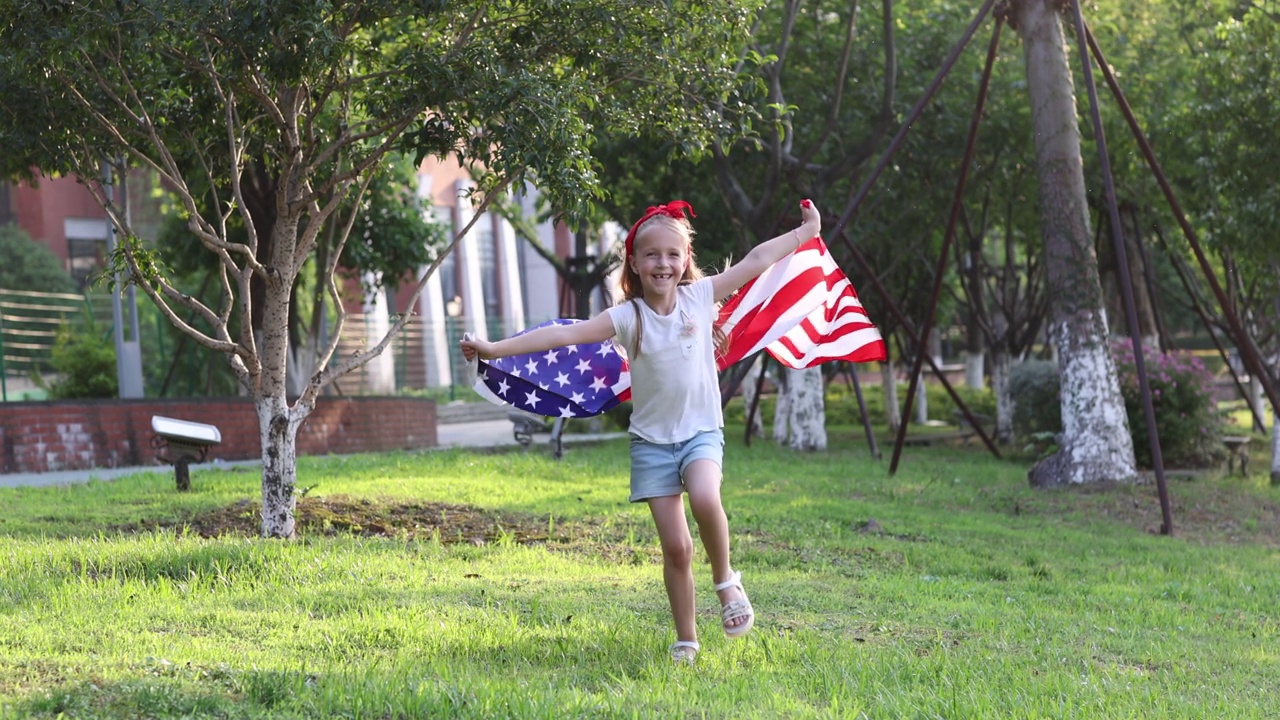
471,349
811,218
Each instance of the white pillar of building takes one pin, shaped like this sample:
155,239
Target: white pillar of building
509,277
472,291
380,371
431,311
539,275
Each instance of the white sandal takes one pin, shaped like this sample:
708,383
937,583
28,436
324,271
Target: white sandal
736,609
684,652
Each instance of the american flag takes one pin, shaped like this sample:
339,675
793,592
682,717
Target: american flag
572,381
802,310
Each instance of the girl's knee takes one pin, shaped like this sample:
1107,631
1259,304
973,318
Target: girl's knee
678,554
706,507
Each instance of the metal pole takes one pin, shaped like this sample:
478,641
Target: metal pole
862,408
117,314
944,257
4,372
856,202
1126,278
1248,353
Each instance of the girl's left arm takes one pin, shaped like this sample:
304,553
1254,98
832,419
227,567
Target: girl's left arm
767,253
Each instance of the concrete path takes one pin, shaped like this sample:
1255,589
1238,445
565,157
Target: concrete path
481,434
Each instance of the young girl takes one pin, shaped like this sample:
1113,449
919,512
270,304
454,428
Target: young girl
665,324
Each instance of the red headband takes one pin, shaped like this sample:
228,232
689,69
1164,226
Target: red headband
674,209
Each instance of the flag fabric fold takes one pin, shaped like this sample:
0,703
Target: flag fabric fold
802,310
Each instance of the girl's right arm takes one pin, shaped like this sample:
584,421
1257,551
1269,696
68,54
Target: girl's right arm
597,329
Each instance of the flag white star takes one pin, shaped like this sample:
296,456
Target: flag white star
605,350
577,398
532,365
532,399
598,384
566,412
503,387
584,365
572,349
562,379
550,357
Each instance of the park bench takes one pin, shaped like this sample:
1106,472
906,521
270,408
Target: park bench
1237,451
524,426
181,442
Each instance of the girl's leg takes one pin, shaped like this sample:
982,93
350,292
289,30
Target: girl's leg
677,561
702,479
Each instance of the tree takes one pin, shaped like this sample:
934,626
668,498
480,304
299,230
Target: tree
1232,124
307,100
1095,443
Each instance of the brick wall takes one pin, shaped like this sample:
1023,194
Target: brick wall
84,434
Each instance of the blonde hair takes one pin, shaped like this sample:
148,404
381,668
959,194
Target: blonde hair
633,289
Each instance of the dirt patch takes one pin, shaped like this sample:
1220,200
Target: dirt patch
1207,510
448,523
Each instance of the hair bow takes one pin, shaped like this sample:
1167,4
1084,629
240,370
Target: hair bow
674,209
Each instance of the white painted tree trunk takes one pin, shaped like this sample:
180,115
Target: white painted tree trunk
277,422
922,401
1275,448
973,370
1255,398
749,398
807,417
1006,404
1095,443
279,434
889,386
782,409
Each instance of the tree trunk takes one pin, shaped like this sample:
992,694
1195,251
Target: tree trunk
922,401
279,433
1109,272
974,364
782,409
1005,402
889,386
1096,445
807,415
277,424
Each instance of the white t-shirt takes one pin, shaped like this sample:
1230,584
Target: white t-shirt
674,388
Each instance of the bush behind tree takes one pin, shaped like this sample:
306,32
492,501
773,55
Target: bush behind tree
1188,421
27,265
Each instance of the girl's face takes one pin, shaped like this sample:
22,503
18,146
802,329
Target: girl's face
660,258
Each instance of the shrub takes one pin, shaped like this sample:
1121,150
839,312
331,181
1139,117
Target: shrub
85,362
1034,385
1187,417
27,265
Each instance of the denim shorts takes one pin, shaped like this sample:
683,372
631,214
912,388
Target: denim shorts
657,469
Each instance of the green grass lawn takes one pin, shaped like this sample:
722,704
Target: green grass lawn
479,585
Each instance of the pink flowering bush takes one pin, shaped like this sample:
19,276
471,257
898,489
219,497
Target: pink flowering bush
1187,416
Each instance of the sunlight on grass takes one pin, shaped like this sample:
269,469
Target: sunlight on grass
949,590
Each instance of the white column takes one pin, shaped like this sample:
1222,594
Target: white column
539,275
509,277
472,290
379,372
431,308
